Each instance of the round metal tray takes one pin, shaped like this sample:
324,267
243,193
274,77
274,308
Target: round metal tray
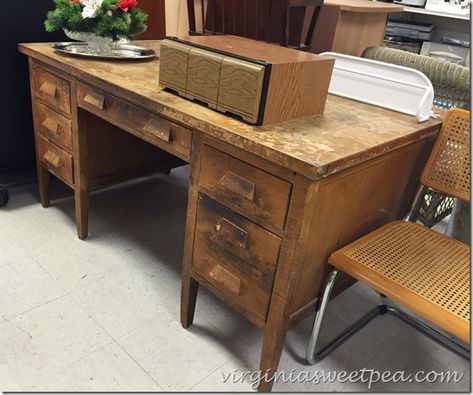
122,52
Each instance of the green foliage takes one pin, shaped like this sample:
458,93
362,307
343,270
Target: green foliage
109,22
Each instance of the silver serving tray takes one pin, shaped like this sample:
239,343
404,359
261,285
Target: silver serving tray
121,52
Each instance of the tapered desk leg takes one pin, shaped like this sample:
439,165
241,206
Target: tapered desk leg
81,175
43,185
82,213
273,344
189,291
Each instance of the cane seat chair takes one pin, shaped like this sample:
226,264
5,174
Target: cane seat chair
417,267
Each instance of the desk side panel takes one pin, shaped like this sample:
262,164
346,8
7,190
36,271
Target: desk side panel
349,205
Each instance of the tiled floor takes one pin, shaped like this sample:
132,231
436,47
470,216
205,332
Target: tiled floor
103,314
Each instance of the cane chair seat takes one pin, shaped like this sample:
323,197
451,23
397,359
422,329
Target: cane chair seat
420,269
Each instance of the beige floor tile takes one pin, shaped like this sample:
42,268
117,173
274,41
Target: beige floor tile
10,250
37,343
78,263
175,357
25,285
106,369
123,301
230,377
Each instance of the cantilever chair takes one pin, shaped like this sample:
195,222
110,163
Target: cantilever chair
420,269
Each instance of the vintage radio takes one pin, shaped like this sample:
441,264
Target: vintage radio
262,83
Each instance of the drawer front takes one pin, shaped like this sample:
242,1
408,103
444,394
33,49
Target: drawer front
56,160
52,126
173,65
167,135
204,76
241,85
252,192
236,256
53,90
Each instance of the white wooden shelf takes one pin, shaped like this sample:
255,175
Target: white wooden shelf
415,10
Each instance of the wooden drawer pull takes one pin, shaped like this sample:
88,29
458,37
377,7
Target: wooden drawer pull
95,100
229,280
49,88
230,231
238,185
51,125
160,129
51,158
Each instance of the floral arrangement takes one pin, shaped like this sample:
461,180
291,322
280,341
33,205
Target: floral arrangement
113,19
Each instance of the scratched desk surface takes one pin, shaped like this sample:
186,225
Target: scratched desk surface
348,133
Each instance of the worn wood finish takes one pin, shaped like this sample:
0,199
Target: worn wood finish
150,127
116,156
250,191
52,89
235,256
275,83
348,133
53,126
56,160
349,205
267,205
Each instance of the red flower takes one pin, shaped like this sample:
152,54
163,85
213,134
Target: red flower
75,1
125,5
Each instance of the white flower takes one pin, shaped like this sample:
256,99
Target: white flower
91,8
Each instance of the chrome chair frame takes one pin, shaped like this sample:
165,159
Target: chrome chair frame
314,356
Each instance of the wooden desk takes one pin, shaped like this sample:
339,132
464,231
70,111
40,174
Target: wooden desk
351,26
267,205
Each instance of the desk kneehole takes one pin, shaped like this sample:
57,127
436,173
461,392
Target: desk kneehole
236,257
156,130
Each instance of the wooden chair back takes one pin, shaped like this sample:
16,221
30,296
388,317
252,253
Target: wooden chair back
286,22
448,167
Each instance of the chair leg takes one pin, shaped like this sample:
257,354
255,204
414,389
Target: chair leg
429,331
313,356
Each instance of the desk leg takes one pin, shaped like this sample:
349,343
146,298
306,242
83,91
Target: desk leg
43,185
81,176
273,344
189,291
82,213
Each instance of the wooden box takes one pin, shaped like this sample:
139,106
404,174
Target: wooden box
262,83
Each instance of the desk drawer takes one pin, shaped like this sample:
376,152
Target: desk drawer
252,192
236,256
171,137
56,160
52,126
53,90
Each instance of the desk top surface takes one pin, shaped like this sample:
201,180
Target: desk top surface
365,6
348,133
